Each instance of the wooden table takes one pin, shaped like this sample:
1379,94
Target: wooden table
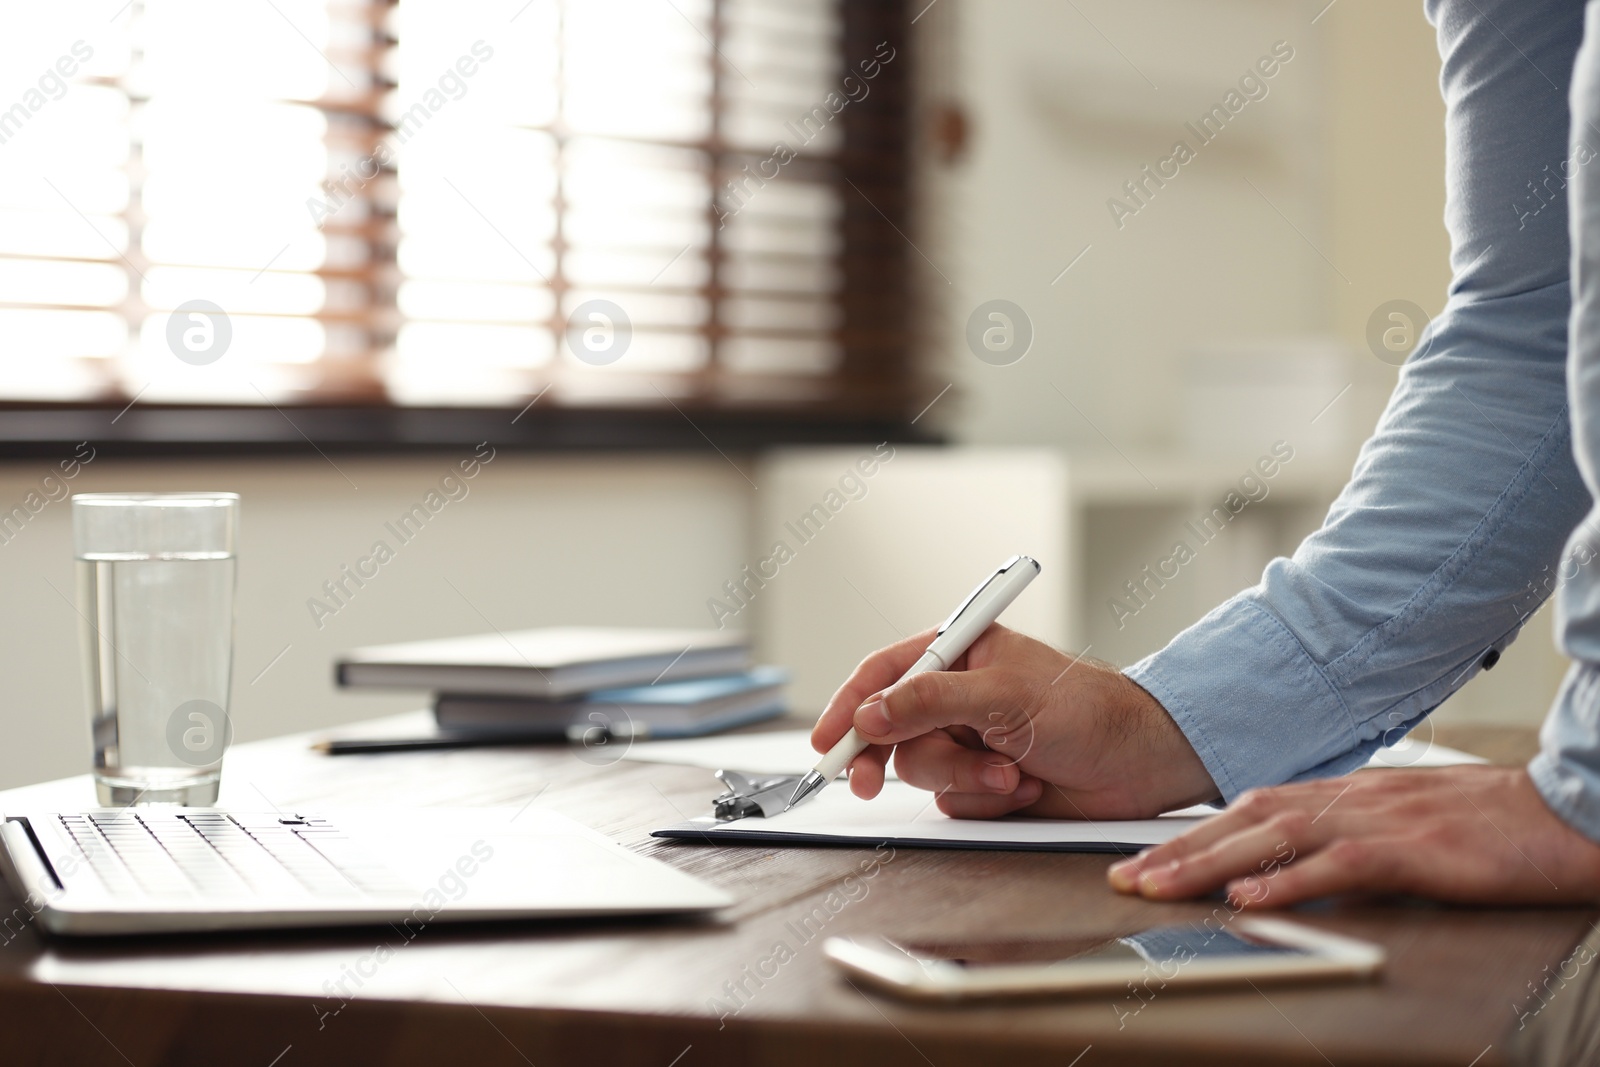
668,993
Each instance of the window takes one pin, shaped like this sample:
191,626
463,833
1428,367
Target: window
615,204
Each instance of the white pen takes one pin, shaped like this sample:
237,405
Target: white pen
962,628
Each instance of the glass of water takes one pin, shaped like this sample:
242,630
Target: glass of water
155,596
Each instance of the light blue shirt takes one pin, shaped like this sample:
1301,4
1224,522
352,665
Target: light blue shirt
1454,526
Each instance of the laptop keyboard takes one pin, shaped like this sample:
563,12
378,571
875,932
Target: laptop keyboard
204,853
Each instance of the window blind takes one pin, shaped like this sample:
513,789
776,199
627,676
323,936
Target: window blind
601,203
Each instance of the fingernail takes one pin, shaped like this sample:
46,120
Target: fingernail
872,718
995,778
1121,876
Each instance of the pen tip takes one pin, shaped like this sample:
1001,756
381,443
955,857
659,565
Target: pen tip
808,786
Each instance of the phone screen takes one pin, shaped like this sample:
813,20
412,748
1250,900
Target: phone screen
1159,945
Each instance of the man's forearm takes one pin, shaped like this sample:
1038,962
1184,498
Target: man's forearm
1426,563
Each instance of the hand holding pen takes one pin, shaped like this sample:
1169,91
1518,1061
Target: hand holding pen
950,642
1013,725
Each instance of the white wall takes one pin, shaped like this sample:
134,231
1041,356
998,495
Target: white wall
1062,117
537,541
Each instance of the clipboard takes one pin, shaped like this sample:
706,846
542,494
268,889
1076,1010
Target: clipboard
903,816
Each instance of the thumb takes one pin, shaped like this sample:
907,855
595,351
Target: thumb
932,700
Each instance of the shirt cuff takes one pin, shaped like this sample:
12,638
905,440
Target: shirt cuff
1251,701
1567,769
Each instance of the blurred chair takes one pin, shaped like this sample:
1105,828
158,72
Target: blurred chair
897,550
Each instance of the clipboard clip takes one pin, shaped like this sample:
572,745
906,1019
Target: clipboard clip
752,795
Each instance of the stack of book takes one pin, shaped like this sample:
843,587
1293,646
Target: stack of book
567,681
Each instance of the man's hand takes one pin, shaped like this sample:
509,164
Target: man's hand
1015,726
1480,835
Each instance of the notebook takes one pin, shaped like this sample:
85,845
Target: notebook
684,708
903,816
548,663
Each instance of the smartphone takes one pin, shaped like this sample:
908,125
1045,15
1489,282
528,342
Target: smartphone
1184,954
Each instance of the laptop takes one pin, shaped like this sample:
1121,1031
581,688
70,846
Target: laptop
150,870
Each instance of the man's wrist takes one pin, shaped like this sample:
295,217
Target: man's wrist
1170,770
